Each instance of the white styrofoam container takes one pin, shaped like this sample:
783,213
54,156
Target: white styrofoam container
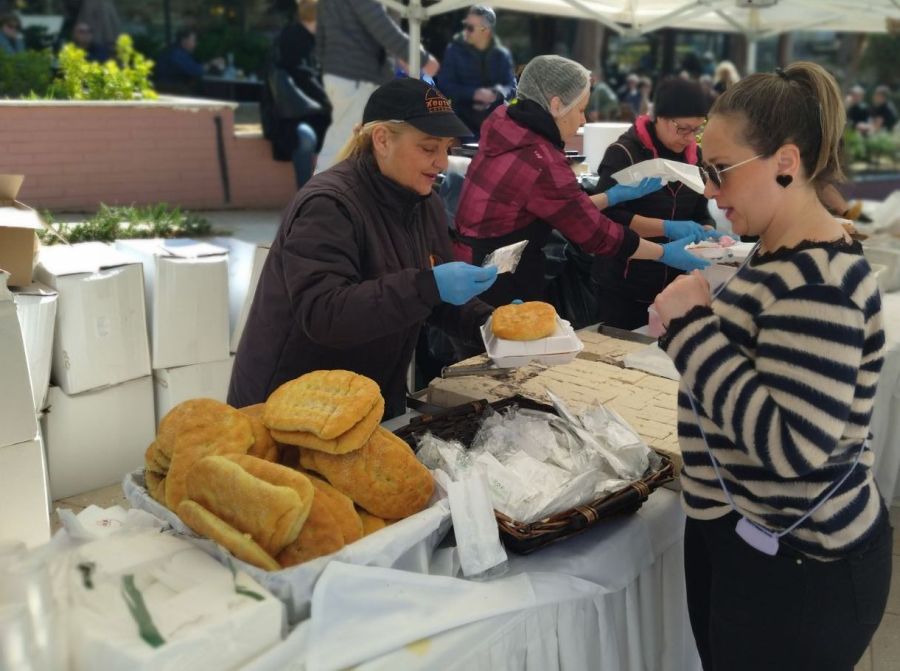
559,348
24,493
884,251
101,330
17,415
245,264
186,293
36,307
94,437
171,386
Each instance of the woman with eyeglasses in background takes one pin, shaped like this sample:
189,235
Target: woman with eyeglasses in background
627,288
787,546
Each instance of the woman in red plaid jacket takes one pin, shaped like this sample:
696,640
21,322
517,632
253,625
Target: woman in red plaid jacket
520,187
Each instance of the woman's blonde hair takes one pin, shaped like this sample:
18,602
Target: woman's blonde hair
361,141
801,105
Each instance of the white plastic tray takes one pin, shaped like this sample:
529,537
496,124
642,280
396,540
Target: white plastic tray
561,347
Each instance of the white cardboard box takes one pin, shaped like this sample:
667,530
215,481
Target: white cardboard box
17,421
93,439
171,386
186,289
24,493
101,328
245,263
36,306
18,241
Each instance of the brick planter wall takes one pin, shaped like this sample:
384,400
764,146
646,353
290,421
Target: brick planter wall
77,154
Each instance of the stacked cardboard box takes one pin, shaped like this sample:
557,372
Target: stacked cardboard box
186,293
99,417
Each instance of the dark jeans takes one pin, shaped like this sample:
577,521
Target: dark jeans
303,154
752,611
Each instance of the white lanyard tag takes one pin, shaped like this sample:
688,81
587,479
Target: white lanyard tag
761,539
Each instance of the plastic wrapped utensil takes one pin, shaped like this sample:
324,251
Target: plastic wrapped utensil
506,258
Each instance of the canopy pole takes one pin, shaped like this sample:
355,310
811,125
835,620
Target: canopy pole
416,15
751,54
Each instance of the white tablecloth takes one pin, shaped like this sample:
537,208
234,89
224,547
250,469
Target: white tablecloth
612,598
886,414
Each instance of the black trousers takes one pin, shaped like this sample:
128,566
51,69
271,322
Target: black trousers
752,611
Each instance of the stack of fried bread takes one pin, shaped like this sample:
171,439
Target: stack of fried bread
524,321
215,467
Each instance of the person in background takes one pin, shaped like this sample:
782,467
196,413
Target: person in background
363,258
603,104
83,38
177,70
353,41
706,85
883,115
299,140
778,379
477,71
11,39
103,18
857,109
645,86
726,75
520,186
630,93
627,288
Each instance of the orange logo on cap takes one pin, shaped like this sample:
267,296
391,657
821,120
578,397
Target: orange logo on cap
436,102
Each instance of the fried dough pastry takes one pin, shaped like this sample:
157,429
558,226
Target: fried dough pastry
263,446
320,536
326,403
384,477
341,508
278,475
349,441
371,523
525,321
196,429
272,514
239,544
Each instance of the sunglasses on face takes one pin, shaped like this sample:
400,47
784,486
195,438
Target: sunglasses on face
687,131
713,173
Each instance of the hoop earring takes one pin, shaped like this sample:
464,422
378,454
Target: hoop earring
784,180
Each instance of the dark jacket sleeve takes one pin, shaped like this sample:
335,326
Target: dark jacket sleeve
507,84
450,76
614,159
322,254
297,56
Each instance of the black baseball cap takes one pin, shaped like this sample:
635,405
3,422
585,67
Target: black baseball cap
417,103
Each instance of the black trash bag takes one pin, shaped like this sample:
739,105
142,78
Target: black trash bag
572,291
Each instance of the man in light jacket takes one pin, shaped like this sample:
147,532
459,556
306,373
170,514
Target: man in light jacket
354,39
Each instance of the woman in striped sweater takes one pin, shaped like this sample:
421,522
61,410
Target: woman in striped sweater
778,379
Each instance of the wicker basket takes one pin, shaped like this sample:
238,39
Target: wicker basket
462,423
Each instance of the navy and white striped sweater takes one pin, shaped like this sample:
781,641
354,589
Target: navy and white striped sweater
784,369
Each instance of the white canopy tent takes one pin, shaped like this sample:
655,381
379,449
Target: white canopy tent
756,19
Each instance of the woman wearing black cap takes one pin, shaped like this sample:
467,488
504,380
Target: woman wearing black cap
363,259
627,288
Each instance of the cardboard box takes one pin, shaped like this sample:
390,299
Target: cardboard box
186,289
93,439
245,263
17,421
36,307
24,493
101,328
18,240
171,386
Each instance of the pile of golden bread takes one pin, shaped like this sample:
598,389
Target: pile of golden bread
524,321
216,467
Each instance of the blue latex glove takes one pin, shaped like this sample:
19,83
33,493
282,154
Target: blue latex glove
675,230
516,301
459,282
620,193
675,255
